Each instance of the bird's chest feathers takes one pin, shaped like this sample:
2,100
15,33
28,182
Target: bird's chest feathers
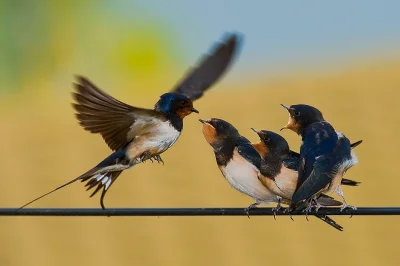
340,171
162,137
159,139
243,176
287,181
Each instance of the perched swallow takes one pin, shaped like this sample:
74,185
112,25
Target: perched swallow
240,163
325,156
137,134
282,164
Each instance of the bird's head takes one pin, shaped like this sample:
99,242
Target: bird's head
271,142
175,103
301,116
217,131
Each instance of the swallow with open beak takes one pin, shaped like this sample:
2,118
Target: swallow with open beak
137,134
325,156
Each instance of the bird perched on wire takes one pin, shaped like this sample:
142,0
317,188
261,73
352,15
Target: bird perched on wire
325,156
282,164
137,134
242,166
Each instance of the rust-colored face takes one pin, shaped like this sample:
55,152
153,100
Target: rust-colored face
209,131
292,124
186,111
184,107
261,148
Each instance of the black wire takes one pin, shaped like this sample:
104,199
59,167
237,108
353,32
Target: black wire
186,211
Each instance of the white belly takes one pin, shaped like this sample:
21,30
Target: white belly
243,176
162,136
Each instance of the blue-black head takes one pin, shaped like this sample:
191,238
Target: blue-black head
301,116
217,132
175,103
271,143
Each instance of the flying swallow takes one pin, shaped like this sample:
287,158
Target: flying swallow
137,134
240,163
325,156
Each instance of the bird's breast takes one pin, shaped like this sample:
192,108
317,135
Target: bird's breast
286,182
161,137
243,176
339,171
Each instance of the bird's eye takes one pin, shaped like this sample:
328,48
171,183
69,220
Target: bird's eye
267,139
297,113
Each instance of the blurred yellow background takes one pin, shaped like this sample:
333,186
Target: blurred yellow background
136,57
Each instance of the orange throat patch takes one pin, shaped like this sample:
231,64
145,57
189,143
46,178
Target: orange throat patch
292,125
261,148
209,133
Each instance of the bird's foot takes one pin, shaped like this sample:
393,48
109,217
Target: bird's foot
252,206
277,208
146,156
314,203
289,210
308,209
346,206
158,158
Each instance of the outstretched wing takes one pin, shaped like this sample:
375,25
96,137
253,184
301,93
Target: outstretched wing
210,68
117,122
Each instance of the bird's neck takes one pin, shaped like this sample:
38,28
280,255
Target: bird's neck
175,120
224,152
271,165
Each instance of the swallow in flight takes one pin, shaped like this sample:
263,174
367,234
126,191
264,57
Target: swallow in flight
137,134
241,165
325,156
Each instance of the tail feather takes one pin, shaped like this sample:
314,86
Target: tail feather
349,182
102,181
329,221
326,200
103,175
54,190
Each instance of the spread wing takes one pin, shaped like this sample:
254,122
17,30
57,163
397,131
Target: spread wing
210,69
117,122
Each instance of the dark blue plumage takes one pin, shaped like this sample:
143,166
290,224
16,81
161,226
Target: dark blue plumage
325,155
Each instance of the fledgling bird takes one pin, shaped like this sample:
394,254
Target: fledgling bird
241,165
137,134
325,156
282,164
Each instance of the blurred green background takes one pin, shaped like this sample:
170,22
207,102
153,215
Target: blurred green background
342,58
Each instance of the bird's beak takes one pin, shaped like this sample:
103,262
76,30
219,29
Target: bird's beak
257,132
203,121
194,110
286,107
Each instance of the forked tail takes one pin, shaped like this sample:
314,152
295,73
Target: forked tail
102,176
